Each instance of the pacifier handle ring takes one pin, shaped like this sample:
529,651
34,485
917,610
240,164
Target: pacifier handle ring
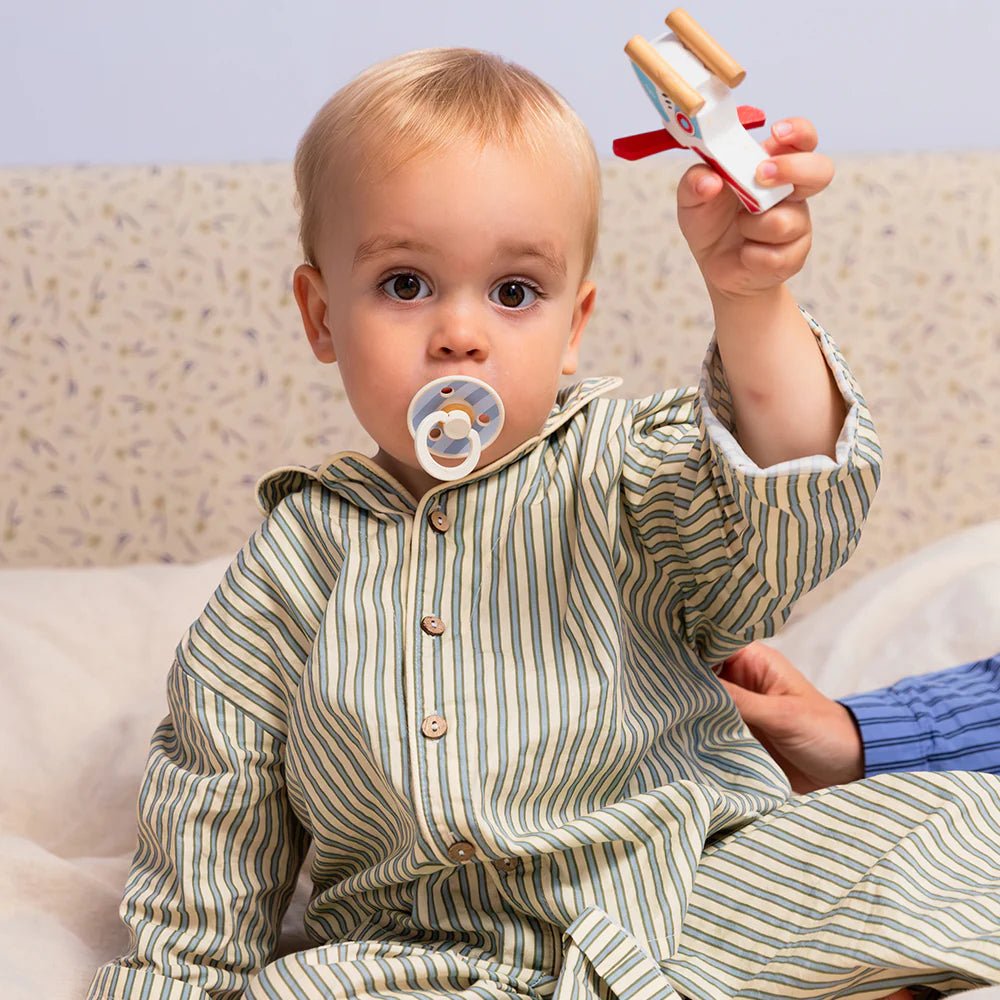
431,464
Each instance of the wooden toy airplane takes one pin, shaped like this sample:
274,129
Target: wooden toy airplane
688,77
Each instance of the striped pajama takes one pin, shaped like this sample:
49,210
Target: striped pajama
493,717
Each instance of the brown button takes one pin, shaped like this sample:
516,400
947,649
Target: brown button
432,625
434,727
507,865
461,851
439,521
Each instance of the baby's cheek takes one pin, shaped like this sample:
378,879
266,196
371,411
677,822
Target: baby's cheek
526,418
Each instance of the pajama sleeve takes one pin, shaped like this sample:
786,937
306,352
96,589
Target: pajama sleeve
219,846
737,544
944,721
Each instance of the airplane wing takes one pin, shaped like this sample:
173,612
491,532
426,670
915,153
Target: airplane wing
635,147
750,117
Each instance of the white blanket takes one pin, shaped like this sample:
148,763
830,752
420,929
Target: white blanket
84,655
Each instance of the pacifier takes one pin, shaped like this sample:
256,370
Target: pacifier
454,417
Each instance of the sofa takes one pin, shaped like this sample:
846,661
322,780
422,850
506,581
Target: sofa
153,367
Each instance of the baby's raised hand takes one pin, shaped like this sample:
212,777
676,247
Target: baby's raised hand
740,254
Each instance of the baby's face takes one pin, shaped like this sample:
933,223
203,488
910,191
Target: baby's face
463,262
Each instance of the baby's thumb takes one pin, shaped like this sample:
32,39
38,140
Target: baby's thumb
698,186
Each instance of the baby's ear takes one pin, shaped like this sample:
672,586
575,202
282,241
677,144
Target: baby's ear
582,311
311,296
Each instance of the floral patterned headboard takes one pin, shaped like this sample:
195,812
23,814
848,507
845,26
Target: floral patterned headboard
153,365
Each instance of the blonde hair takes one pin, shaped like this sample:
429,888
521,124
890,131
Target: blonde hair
422,101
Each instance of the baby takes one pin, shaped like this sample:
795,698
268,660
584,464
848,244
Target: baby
487,703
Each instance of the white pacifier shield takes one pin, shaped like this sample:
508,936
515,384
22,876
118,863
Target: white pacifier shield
454,417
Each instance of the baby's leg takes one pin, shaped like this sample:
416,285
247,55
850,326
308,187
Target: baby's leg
851,891
383,970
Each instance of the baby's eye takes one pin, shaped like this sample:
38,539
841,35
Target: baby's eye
514,294
405,287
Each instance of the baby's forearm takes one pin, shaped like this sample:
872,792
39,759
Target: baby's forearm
785,401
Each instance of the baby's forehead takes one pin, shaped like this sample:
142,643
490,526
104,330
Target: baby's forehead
543,155
373,166
370,193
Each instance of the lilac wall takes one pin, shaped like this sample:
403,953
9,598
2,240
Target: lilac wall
219,80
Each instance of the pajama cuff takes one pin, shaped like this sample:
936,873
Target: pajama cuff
113,982
892,736
856,445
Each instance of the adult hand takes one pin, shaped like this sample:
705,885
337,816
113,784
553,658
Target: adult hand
814,740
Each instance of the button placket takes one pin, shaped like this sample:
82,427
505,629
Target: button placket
434,659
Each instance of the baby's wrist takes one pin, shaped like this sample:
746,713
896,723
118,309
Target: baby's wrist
745,325
758,304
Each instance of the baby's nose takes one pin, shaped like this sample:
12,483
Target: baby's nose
459,337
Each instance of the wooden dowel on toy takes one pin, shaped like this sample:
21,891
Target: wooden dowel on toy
694,37
664,76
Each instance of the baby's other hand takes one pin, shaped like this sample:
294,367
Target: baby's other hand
740,254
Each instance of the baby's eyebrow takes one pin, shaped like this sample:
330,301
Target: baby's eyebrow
545,252
382,244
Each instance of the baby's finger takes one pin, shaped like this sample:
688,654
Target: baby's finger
791,135
809,172
775,263
785,223
699,184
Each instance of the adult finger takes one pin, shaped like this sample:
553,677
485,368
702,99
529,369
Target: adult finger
753,668
765,712
761,668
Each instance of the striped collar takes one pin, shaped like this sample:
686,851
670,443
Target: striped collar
359,479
